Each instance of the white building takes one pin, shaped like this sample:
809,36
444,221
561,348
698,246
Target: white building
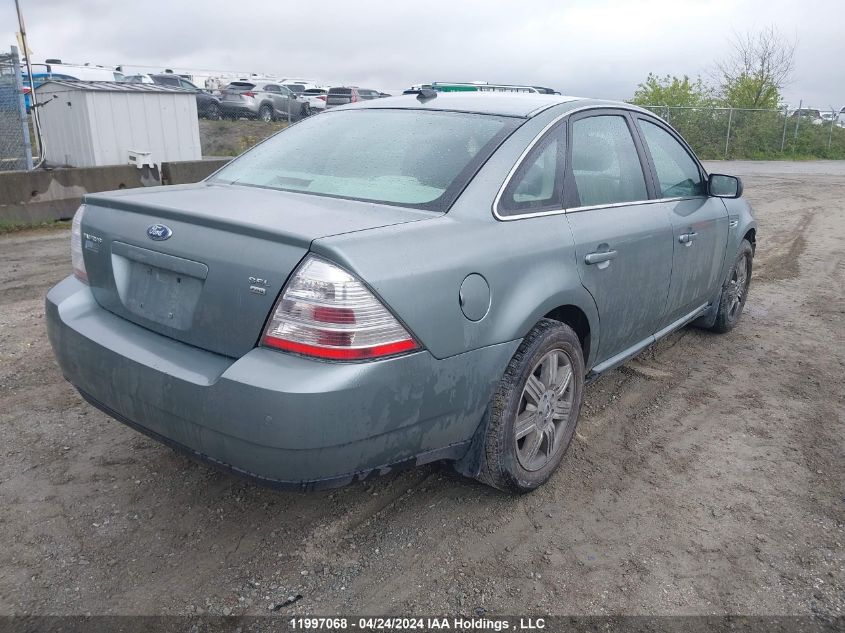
93,123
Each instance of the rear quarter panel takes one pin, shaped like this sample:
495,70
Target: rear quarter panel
418,269
739,211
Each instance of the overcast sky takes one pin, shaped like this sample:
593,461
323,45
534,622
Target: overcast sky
599,48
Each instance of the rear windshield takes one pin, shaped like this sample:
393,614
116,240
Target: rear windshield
409,158
240,85
340,91
295,88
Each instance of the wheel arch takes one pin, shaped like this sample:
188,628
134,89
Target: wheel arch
577,319
751,236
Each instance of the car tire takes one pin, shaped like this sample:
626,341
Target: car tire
735,290
305,111
530,427
265,113
212,112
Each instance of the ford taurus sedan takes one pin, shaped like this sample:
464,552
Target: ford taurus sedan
418,278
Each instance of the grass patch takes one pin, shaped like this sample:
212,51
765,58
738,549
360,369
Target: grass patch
231,138
7,226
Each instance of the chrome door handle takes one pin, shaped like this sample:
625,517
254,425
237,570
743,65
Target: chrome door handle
686,238
598,258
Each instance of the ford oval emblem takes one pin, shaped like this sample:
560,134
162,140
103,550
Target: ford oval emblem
159,232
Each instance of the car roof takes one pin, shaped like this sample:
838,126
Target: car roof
524,105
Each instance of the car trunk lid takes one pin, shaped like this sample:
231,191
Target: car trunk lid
204,264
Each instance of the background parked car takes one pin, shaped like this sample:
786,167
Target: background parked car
264,100
341,95
208,106
312,97
808,113
366,94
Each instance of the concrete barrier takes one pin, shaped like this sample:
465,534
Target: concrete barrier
42,195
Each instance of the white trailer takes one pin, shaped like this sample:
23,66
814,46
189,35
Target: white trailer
94,123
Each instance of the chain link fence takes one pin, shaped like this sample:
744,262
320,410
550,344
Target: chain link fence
740,133
15,147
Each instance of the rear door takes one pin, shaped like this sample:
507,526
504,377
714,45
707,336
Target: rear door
699,222
289,102
623,240
274,94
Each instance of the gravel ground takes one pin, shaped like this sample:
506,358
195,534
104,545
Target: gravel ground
706,476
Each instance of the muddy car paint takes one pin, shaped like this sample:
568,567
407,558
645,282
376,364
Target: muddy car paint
303,422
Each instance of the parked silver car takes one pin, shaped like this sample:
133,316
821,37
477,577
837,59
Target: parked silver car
263,100
399,281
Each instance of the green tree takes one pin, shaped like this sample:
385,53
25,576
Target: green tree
747,91
757,69
672,91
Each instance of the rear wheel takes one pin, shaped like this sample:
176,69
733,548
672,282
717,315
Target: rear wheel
735,291
265,113
213,111
535,409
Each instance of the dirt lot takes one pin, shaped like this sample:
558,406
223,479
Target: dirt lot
706,477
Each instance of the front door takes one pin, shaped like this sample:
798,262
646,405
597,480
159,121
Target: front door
623,239
699,222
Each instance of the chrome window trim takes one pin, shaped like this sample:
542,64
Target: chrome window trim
593,207
537,138
517,165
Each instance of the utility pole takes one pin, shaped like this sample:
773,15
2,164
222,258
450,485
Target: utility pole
33,100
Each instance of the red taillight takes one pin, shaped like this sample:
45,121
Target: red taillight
354,98
328,313
26,90
390,349
322,97
248,93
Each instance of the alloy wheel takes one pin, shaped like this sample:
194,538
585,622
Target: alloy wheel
738,287
544,410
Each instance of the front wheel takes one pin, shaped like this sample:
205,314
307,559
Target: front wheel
265,113
735,291
534,410
305,111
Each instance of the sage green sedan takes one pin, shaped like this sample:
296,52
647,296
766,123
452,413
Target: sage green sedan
398,281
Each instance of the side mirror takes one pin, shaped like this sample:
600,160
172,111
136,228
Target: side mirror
723,186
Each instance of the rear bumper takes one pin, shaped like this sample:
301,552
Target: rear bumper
282,419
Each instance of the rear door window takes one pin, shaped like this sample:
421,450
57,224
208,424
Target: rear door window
677,173
605,163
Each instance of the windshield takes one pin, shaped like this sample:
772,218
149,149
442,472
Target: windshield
295,88
406,157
